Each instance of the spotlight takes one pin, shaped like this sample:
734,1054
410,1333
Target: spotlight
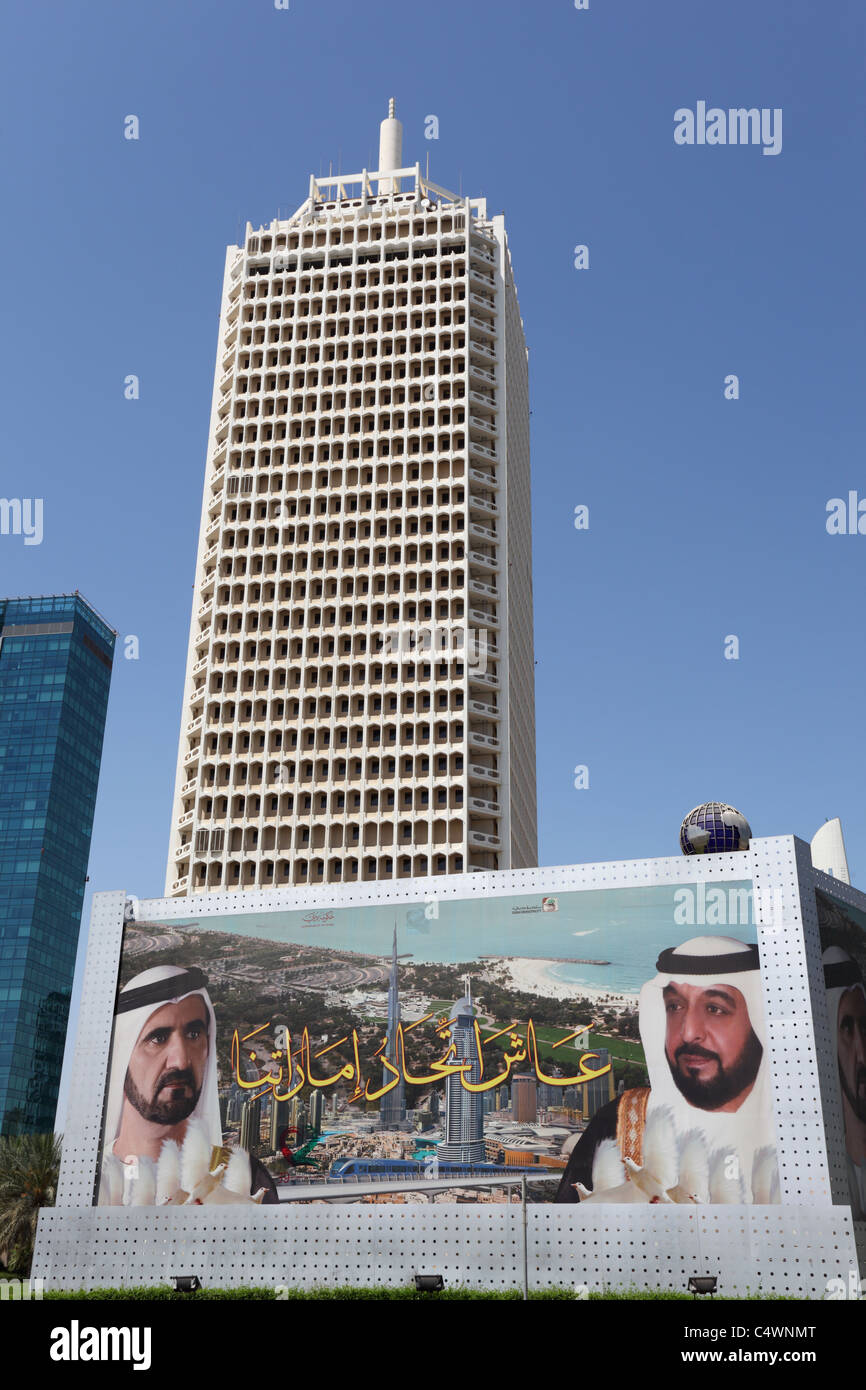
703,1283
186,1283
429,1283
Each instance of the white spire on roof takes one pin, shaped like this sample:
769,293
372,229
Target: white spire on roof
390,149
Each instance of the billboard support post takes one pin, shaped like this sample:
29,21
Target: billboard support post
525,1245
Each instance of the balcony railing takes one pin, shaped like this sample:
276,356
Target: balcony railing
477,422
476,370
479,707
482,619
481,326
480,587
483,678
482,504
477,837
484,449
478,740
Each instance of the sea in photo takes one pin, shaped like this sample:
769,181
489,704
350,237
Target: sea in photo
606,940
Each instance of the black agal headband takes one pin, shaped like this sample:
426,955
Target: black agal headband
842,974
160,991
673,962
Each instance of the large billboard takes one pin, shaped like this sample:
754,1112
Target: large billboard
610,1044
843,944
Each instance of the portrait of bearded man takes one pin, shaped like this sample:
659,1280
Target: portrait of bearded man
846,1003
703,1129
163,1086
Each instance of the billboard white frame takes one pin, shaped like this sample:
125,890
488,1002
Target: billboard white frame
792,1248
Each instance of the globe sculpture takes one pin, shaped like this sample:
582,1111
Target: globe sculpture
714,828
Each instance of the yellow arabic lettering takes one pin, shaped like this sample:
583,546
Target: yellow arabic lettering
561,1080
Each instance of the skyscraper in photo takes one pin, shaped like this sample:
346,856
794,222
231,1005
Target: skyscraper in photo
55,670
250,1137
316,1111
392,1106
464,1110
524,1098
359,697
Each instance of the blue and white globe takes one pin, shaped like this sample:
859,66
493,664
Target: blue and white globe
714,828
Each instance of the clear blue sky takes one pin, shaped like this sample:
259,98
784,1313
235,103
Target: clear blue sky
707,515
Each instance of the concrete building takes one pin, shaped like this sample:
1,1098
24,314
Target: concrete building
359,699
524,1098
828,850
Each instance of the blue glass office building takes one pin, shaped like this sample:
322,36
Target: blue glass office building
55,671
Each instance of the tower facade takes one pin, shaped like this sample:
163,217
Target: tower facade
55,671
392,1106
464,1110
359,698
524,1098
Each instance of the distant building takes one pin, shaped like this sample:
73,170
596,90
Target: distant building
592,1095
279,1122
464,1114
235,1102
55,671
547,1095
392,1106
316,1111
297,1122
524,1098
251,1123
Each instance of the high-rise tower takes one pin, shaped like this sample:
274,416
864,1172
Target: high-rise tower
392,1106
359,699
464,1110
56,656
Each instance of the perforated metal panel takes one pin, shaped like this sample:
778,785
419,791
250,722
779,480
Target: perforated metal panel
793,1248
782,900
751,1249
834,1125
92,1045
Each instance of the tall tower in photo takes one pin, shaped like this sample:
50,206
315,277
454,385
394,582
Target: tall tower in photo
392,1106
359,697
464,1110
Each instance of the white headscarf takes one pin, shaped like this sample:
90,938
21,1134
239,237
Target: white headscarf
128,1026
841,974
705,961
